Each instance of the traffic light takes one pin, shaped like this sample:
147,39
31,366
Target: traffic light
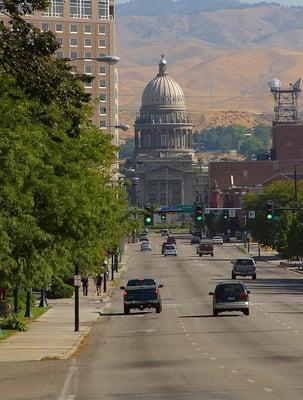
199,213
163,215
225,215
269,210
148,216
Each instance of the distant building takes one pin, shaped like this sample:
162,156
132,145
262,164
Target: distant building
163,162
85,29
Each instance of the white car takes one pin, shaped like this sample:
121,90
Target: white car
218,240
170,250
145,246
244,266
164,232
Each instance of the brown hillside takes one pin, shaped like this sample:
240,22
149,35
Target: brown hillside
222,59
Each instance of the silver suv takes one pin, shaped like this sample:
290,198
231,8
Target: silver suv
244,266
230,296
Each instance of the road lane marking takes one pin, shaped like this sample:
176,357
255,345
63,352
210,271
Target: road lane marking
250,381
193,343
268,390
205,354
222,366
234,371
289,327
199,348
295,331
213,358
69,384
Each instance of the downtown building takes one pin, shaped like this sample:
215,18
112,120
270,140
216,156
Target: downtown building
85,29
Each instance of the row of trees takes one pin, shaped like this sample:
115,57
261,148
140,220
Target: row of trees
246,141
58,205
285,231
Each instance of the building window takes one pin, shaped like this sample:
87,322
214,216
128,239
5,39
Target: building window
102,111
73,55
45,26
245,174
103,124
87,29
80,8
102,43
59,55
54,10
88,56
88,69
102,97
102,83
88,85
163,140
87,42
102,70
74,42
60,41
102,30
103,9
59,28
148,141
73,28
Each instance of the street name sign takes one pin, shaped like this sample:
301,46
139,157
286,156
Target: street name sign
251,214
77,280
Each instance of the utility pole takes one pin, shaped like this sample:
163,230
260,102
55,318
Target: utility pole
77,319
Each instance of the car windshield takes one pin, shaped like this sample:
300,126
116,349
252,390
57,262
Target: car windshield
244,262
170,247
141,282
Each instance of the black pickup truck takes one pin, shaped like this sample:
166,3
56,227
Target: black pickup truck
142,293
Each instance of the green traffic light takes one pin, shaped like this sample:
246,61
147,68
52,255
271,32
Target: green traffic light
148,220
199,218
269,216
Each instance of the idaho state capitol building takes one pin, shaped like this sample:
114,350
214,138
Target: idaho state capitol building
163,169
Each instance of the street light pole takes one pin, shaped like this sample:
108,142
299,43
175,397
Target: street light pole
77,319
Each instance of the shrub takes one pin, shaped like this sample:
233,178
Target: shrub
14,322
60,291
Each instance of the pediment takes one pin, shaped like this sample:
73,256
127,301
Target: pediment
163,167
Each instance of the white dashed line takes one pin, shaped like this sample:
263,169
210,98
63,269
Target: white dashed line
278,320
189,338
222,366
289,327
234,371
195,344
250,381
187,334
295,331
213,358
268,390
199,348
205,354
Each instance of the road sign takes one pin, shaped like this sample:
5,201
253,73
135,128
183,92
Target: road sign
251,214
168,208
232,213
77,280
186,208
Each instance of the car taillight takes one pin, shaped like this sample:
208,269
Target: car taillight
243,296
125,293
157,291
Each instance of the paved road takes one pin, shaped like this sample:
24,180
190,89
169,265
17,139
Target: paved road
184,352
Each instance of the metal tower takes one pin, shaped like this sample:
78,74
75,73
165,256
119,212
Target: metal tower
286,101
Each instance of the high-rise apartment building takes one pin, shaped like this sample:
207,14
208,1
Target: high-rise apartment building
85,29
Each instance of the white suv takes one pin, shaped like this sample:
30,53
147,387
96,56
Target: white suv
244,266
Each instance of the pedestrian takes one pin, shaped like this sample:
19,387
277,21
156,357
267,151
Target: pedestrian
85,286
99,281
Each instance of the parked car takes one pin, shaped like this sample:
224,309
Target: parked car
244,266
195,240
145,231
140,294
230,296
170,250
145,246
205,249
218,240
164,232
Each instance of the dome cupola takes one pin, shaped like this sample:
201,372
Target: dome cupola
163,91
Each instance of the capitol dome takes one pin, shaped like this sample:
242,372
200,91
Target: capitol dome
163,91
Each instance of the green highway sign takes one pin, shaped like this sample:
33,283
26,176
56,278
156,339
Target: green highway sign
185,208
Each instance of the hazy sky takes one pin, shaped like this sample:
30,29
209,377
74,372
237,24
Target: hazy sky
285,2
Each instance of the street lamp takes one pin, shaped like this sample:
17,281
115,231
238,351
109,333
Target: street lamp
134,181
123,127
111,60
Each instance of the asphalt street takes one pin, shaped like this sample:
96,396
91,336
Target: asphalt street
184,352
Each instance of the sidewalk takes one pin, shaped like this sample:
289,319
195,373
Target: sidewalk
52,335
